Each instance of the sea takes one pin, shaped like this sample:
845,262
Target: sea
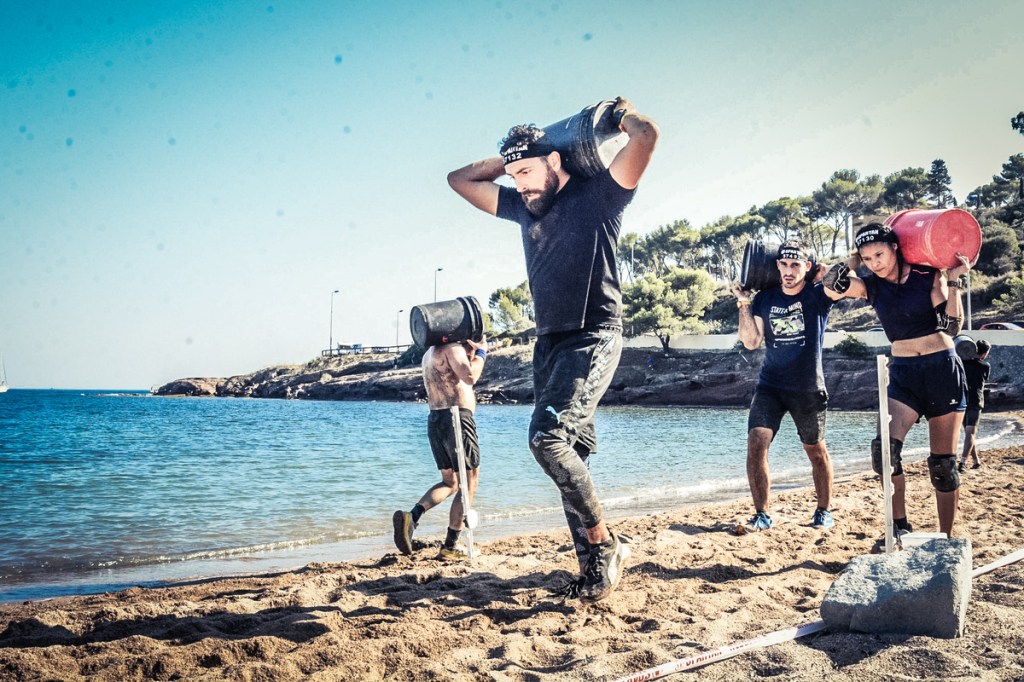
105,490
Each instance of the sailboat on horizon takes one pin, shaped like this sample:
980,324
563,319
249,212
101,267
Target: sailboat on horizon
3,376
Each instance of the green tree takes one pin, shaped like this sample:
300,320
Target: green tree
839,200
785,218
627,256
1000,248
670,304
662,248
1017,123
512,309
1013,176
905,189
1012,302
721,246
991,195
938,184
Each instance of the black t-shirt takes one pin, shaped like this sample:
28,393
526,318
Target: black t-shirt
977,374
570,252
794,330
906,312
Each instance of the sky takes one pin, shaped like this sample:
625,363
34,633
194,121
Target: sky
184,185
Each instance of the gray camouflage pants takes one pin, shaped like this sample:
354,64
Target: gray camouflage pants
571,373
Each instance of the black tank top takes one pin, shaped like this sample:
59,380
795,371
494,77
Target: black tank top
906,311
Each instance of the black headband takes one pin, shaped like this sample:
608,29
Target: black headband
517,151
793,252
880,233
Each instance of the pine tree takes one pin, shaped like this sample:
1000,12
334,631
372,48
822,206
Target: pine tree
1018,122
938,184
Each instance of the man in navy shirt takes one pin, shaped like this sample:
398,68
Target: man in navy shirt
570,229
790,319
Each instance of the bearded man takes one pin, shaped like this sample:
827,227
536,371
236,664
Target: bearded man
570,229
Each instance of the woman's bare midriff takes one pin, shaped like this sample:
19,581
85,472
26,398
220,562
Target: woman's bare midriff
923,345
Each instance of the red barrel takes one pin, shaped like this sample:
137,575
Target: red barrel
934,237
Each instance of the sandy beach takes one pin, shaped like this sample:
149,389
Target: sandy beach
691,586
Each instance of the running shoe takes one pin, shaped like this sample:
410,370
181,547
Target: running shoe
961,467
604,569
976,465
456,553
761,521
823,519
403,531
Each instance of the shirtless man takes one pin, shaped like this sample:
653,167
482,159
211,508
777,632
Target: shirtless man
449,372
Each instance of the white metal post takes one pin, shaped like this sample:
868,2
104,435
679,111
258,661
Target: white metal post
883,434
468,515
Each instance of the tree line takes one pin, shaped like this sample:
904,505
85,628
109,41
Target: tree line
670,275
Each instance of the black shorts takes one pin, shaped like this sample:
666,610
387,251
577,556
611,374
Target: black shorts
972,417
931,385
441,434
806,407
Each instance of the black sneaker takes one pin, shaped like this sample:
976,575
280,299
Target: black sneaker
961,467
604,569
404,527
570,590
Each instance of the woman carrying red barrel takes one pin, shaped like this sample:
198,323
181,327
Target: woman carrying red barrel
920,310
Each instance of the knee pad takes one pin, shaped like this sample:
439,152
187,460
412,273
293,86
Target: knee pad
942,471
895,448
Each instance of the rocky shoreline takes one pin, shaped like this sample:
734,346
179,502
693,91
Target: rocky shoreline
723,378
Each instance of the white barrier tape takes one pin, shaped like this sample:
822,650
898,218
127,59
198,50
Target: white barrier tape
776,637
724,652
1011,558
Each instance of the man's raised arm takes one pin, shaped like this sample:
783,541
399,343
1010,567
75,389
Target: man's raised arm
630,163
476,183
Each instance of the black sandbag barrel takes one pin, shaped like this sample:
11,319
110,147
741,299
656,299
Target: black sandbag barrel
588,141
759,270
452,321
965,347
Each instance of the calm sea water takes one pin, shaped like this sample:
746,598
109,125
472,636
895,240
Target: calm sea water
101,491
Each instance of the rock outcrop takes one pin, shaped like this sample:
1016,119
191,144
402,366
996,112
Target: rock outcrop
644,377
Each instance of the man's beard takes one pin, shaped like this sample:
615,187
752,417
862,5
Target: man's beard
539,203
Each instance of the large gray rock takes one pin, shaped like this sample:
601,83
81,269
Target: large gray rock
920,591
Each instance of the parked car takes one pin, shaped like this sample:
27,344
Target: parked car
1003,326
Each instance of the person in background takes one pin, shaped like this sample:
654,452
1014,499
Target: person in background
570,228
977,371
449,372
921,311
790,319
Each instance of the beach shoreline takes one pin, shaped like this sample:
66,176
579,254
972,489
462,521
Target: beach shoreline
690,586
246,562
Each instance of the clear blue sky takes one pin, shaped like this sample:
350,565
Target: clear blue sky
183,184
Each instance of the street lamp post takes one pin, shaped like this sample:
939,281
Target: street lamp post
330,339
435,283
398,326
